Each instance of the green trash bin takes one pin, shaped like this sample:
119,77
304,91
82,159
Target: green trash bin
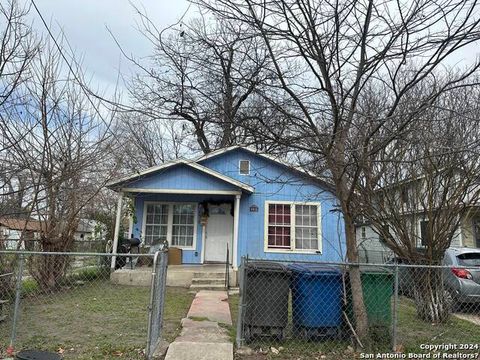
377,294
377,288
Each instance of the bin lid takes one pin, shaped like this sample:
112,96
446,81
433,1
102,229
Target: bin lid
369,270
314,269
266,266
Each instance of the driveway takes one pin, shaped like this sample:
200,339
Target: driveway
474,319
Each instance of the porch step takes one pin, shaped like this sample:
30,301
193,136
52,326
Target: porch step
209,274
207,287
208,281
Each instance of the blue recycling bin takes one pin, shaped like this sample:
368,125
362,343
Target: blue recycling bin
316,300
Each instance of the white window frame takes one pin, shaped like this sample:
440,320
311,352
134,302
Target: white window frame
170,222
293,249
240,169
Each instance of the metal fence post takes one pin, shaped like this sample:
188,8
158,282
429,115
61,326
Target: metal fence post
395,311
16,310
157,301
241,305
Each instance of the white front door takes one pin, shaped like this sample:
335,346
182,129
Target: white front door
219,232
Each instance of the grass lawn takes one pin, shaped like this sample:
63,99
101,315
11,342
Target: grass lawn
411,333
97,320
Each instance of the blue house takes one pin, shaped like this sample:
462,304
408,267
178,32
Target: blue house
253,203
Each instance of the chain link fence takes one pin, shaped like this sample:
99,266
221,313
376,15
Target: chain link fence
68,304
307,310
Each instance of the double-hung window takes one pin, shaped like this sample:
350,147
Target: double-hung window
173,222
293,226
156,223
279,226
183,225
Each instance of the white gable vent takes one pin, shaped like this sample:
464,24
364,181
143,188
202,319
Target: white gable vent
244,167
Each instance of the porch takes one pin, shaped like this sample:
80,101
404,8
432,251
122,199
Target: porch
191,207
211,276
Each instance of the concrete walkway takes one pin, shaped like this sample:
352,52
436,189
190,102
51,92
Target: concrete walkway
202,338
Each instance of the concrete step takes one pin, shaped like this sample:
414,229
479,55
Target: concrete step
209,281
209,274
207,287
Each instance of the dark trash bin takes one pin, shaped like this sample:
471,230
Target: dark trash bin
37,355
316,300
266,300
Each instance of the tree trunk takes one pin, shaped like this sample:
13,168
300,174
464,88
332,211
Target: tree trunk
430,297
50,270
359,310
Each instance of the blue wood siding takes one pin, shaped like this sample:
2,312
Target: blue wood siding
274,182
181,177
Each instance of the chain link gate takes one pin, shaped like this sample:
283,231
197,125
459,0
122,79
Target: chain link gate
157,301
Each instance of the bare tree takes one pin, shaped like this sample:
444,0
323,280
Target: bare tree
327,56
203,75
59,140
147,142
419,188
18,47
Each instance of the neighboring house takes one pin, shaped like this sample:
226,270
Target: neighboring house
411,200
88,230
254,204
370,247
11,230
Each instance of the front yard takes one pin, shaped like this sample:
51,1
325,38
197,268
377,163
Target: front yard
411,334
95,320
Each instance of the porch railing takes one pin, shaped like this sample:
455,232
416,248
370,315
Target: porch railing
227,269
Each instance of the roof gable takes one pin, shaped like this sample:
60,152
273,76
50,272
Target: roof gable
292,169
178,173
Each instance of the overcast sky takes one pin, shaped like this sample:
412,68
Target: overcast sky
84,23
